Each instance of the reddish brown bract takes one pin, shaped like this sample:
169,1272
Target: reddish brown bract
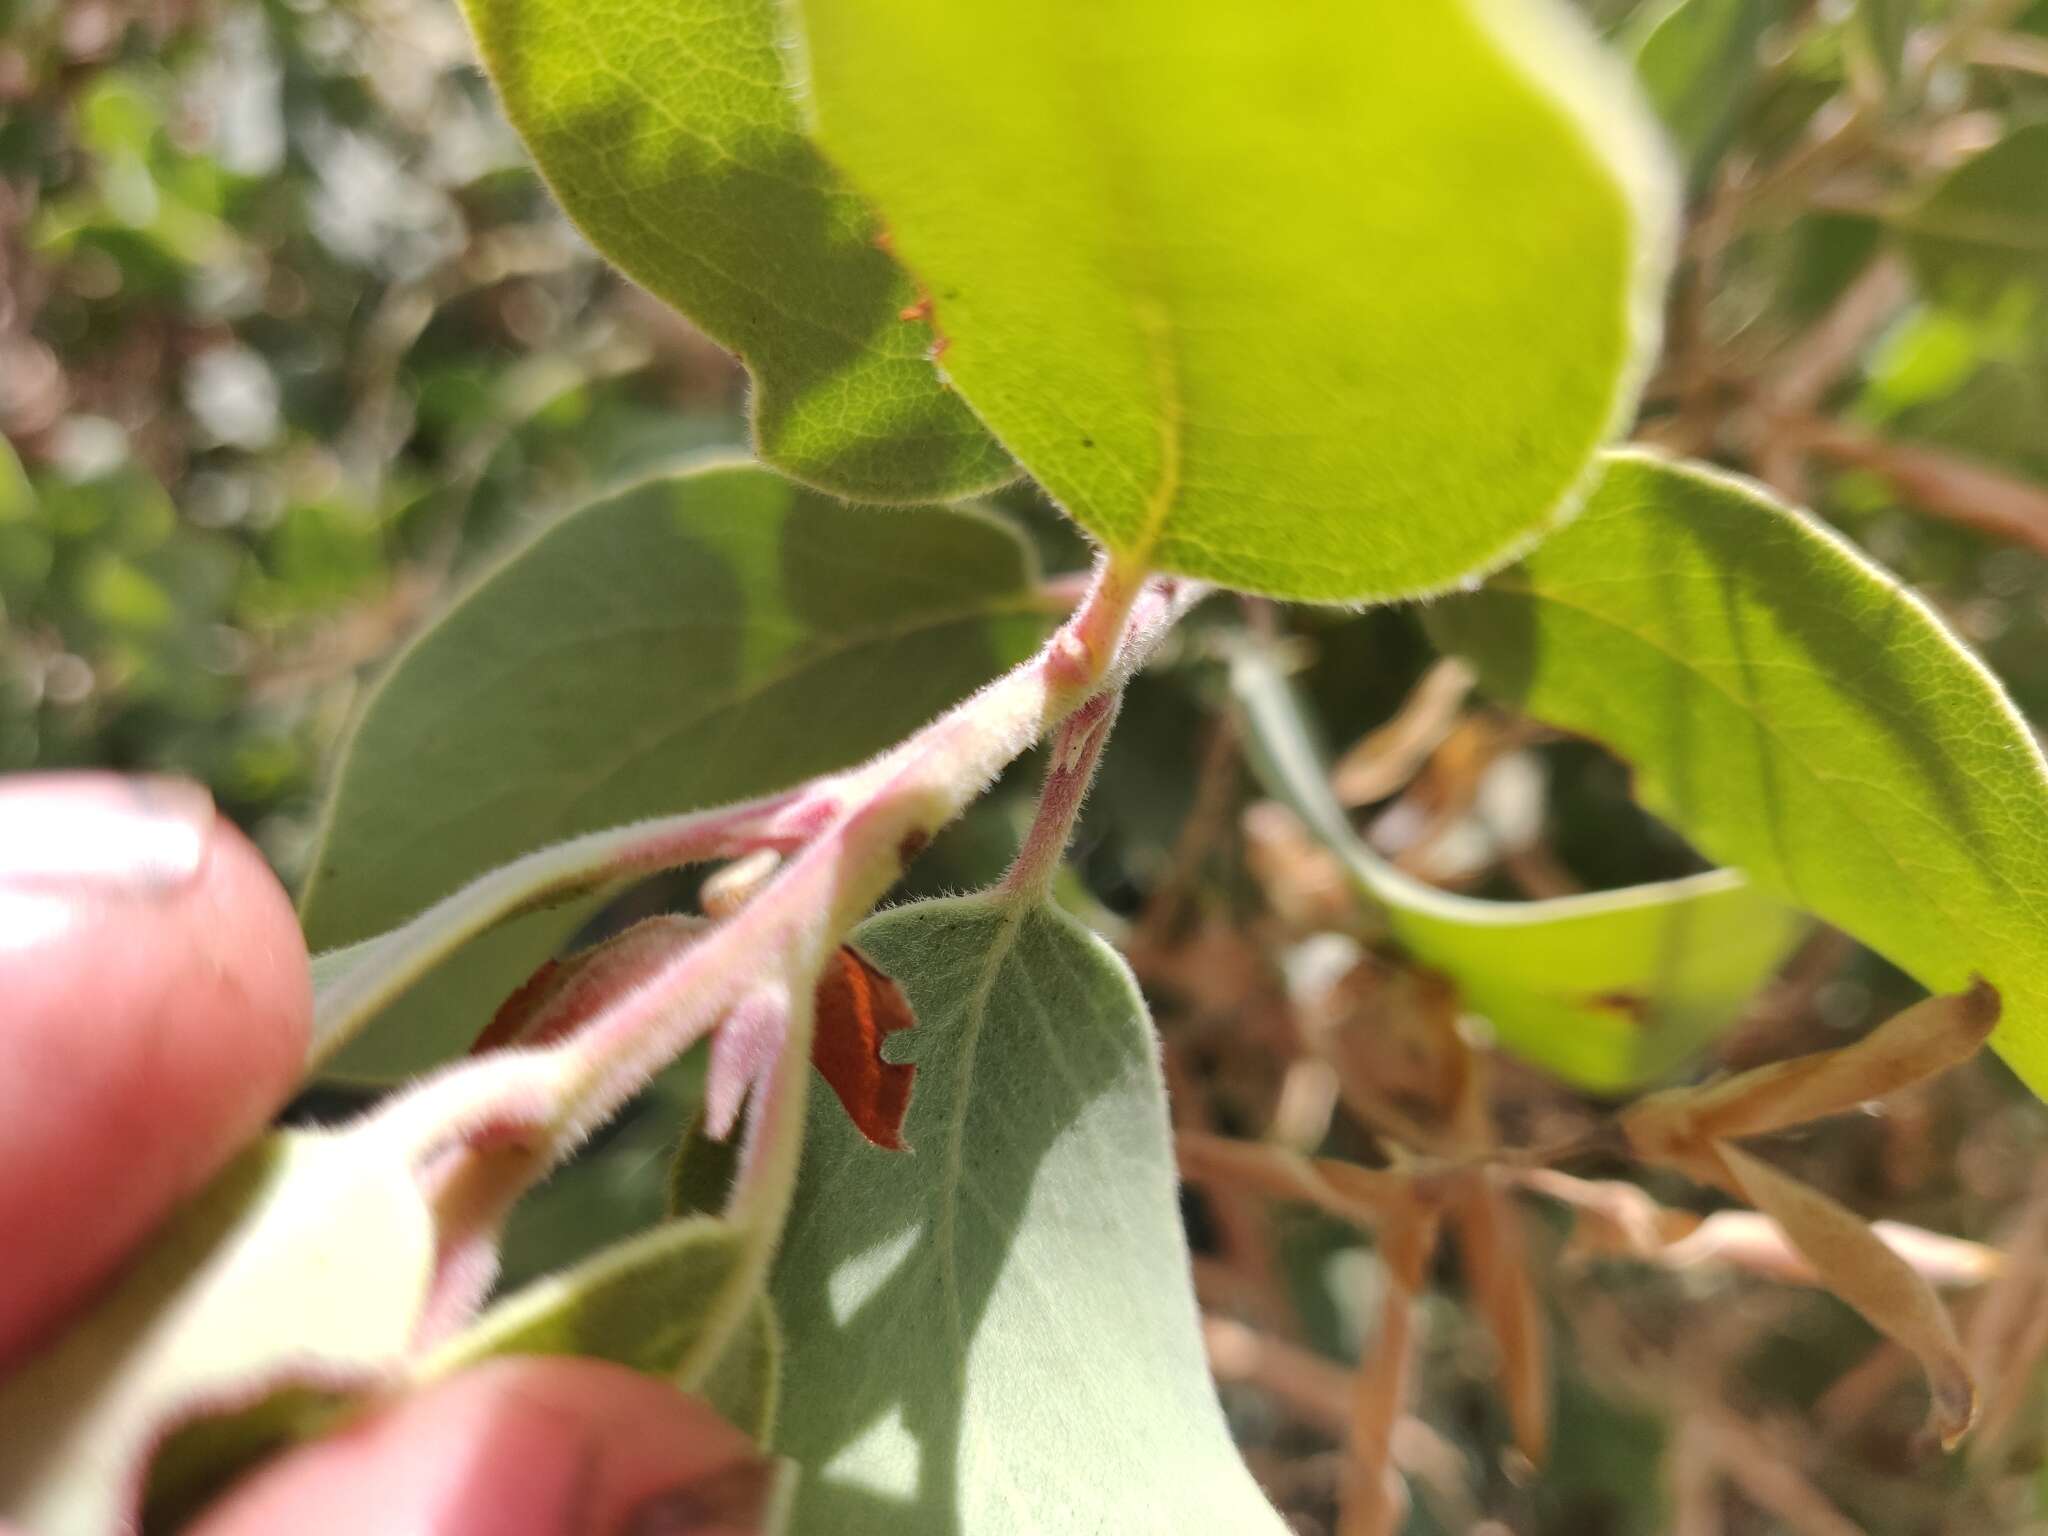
858,1007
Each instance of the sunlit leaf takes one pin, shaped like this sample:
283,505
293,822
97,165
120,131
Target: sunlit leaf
694,640
672,133
1796,714
1329,300
996,1332
304,1265
1607,990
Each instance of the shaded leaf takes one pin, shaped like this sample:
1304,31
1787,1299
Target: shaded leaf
1262,347
305,1264
997,1332
695,640
745,1386
642,1303
671,132
1869,1276
1605,990
1984,226
1795,713
1697,60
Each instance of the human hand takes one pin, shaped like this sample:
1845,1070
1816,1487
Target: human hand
154,1007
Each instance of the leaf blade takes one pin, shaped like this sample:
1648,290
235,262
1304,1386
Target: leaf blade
1607,990
684,174
918,1372
1795,713
694,640
1192,329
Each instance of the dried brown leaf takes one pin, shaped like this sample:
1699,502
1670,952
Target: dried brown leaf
1386,759
1495,1251
1857,1266
1924,1040
1374,1499
1345,1190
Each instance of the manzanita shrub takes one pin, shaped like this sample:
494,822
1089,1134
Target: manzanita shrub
1328,302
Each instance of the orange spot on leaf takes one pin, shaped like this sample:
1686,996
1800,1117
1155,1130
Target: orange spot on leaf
857,1008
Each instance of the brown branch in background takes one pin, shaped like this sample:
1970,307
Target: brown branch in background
1757,1464
1318,1393
2007,1335
1620,1220
1694,1478
1362,1196
1946,485
1818,360
2010,50
1207,826
1374,1502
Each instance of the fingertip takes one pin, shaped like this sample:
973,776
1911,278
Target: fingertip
158,1006
517,1447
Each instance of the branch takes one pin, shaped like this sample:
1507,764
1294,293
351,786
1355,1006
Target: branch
1947,485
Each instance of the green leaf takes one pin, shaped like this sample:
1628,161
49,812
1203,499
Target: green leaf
306,1263
671,132
1697,60
691,641
996,1332
1329,300
745,1386
1884,26
642,1303
1983,227
1608,991
1796,714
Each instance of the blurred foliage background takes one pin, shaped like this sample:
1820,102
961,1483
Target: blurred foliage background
291,339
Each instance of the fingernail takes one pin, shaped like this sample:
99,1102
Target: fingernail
734,1500
103,830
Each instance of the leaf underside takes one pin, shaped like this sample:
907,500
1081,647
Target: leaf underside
1609,990
996,1332
694,640
1796,714
1355,337
671,133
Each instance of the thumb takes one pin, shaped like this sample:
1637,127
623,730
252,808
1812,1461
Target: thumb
521,1447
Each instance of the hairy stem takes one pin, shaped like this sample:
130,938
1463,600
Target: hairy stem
1075,752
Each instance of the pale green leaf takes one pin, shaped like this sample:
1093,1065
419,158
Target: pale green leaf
1796,714
1609,991
305,1264
1983,227
691,641
995,1331
642,1303
671,132
1330,299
